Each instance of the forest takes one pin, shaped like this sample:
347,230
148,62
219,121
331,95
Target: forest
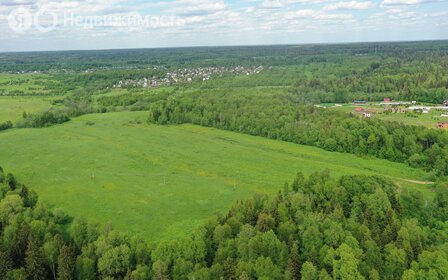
210,56
400,79
356,227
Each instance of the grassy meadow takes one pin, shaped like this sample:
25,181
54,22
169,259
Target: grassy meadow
164,181
429,120
12,107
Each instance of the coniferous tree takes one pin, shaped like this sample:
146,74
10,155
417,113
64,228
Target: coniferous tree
5,264
293,267
34,261
19,245
11,181
66,263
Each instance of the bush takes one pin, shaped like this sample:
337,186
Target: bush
45,119
5,125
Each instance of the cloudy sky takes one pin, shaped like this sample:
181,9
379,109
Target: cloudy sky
104,24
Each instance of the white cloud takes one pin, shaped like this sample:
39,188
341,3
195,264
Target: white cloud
210,20
351,5
304,1
271,4
277,4
197,7
406,2
316,15
17,2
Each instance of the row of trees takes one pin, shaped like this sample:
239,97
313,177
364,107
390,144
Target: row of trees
357,227
134,101
47,118
283,117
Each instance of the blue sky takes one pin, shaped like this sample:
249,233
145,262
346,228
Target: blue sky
219,22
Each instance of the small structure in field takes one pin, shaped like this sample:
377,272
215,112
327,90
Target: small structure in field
360,102
399,109
445,103
365,113
368,113
442,125
425,110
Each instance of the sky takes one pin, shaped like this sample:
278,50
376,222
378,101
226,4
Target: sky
34,25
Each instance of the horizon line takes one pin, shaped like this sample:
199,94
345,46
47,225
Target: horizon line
229,46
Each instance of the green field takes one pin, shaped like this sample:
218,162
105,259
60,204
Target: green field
12,107
163,181
429,120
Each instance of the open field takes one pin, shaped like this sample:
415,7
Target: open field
12,107
429,120
163,181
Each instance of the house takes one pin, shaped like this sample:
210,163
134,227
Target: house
445,103
442,125
387,99
368,114
364,113
425,110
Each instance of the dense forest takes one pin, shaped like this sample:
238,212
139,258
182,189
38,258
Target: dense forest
212,56
357,227
283,117
424,80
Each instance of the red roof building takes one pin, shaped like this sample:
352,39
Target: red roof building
442,125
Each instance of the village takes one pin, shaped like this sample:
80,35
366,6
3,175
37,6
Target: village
189,75
408,112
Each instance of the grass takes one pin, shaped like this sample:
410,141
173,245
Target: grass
163,181
12,107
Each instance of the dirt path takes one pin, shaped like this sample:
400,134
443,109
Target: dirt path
416,182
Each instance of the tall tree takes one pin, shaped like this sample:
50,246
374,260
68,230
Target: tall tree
34,261
5,264
309,271
67,263
293,266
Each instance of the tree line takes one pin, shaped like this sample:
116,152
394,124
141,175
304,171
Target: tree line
316,228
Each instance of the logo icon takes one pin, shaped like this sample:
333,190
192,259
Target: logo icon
20,20
45,21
